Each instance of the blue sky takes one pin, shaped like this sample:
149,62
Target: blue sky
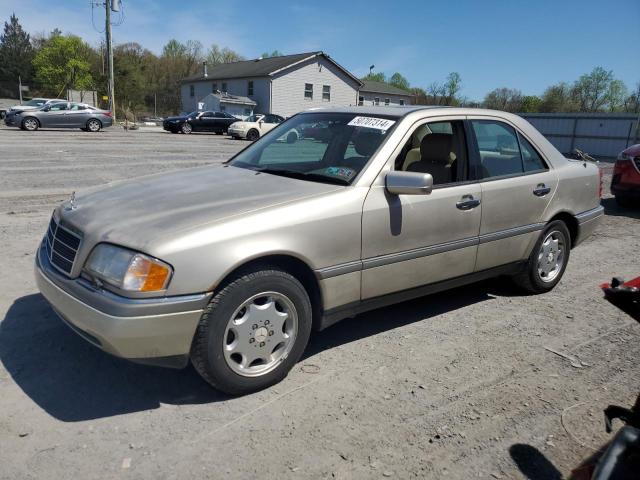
526,45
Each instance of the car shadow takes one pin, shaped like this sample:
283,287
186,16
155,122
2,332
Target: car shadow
74,381
611,208
532,463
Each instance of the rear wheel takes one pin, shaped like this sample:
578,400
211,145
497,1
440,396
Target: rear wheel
252,332
548,259
253,135
94,125
31,124
186,128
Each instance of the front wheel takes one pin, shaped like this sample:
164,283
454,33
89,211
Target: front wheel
252,135
30,124
252,332
548,259
186,128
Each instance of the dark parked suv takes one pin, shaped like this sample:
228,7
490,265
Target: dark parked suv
217,122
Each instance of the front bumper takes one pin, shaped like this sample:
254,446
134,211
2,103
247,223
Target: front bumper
152,330
237,133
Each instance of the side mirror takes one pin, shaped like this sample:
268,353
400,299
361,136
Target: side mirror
46,108
409,183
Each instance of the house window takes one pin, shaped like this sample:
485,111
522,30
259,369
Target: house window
250,88
361,100
326,93
401,102
214,87
308,91
376,101
224,86
386,101
192,91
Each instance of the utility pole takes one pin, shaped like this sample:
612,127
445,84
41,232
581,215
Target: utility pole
20,88
112,102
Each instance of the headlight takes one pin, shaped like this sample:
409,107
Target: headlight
128,270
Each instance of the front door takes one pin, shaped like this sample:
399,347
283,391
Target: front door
413,240
55,117
517,186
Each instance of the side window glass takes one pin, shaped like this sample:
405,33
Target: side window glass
530,157
498,148
438,148
58,106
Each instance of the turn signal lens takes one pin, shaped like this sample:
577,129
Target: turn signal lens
145,275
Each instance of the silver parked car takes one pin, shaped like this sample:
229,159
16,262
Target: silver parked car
64,115
232,266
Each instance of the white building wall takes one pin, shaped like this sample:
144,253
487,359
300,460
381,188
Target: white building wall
288,87
394,100
236,86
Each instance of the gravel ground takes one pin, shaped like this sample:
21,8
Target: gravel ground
456,385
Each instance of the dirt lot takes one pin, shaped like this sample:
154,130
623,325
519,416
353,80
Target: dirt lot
456,385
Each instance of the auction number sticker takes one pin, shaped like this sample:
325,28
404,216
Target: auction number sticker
372,122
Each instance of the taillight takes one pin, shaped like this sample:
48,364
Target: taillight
108,114
601,175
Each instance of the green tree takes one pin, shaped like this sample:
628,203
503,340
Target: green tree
375,77
452,87
275,53
558,98
590,90
64,62
16,52
507,99
397,80
530,104
217,55
615,95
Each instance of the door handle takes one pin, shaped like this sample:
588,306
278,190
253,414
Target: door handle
541,190
467,202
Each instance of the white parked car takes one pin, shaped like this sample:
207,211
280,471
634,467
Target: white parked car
35,103
255,126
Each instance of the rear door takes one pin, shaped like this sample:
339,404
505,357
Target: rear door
517,186
76,116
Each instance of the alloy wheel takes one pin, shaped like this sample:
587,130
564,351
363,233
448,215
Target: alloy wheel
260,334
551,256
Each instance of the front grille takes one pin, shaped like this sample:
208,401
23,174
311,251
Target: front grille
62,246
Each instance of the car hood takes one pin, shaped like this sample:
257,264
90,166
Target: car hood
136,213
633,150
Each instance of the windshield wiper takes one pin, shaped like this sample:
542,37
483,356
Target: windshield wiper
304,176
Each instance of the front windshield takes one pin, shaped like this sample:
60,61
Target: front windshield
321,147
254,118
35,102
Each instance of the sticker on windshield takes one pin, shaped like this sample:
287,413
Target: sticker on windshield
342,172
372,122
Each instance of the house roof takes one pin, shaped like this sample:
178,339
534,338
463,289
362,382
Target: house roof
259,67
381,87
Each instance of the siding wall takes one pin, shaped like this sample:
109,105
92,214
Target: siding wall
599,134
236,86
288,87
393,99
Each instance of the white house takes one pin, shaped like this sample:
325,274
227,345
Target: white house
282,85
379,93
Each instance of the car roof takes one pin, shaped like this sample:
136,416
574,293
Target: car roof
401,111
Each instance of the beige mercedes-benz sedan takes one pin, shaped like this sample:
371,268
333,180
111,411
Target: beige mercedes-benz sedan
232,266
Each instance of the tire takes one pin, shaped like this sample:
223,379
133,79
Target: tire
220,342
545,266
623,201
186,128
253,135
94,125
30,124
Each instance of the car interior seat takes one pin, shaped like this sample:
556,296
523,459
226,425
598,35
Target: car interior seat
436,157
413,155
